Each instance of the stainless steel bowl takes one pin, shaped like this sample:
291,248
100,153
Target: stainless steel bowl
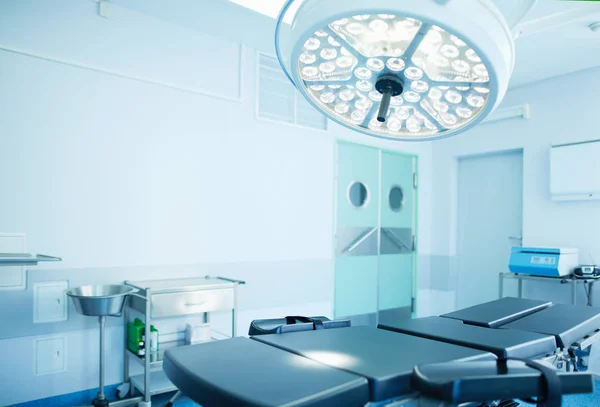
100,300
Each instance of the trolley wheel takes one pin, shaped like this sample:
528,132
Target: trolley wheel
100,403
123,390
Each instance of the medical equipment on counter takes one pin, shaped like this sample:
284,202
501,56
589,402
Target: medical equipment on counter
101,301
539,261
459,359
592,272
173,298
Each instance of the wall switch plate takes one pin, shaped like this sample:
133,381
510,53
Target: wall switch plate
50,302
50,356
13,277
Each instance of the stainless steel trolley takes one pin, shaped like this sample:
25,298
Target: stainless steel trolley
157,299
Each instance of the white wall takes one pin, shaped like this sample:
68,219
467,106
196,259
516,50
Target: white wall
73,121
563,110
129,146
152,151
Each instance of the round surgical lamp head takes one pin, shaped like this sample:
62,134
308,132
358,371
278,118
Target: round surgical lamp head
398,69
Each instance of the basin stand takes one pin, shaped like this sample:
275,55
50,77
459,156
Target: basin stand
100,400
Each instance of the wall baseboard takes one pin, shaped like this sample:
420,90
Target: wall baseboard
79,398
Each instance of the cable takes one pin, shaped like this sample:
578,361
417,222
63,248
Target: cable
517,15
585,288
515,19
587,285
588,293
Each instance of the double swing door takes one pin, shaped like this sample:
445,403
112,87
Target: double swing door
374,238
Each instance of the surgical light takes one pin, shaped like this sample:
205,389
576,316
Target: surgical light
398,69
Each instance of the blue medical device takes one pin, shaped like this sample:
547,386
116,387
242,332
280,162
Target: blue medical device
541,261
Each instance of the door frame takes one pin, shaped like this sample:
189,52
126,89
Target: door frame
380,151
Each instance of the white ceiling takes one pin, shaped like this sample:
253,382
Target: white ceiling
546,7
556,39
270,8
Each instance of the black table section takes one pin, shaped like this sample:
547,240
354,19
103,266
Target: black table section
244,373
568,323
385,358
476,381
499,312
500,342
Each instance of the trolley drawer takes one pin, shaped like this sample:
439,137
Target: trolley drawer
185,303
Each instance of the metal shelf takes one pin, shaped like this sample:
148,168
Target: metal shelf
156,358
564,280
25,259
159,383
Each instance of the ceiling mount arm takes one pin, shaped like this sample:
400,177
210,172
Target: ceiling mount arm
517,16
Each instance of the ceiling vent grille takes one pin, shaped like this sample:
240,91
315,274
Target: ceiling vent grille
279,100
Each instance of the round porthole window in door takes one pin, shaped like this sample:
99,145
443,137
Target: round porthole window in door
396,198
358,194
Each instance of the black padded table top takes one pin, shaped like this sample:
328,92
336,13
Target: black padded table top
568,323
385,358
457,383
499,312
502,343
244,373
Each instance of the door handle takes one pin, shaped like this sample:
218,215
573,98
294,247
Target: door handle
194,304
515,237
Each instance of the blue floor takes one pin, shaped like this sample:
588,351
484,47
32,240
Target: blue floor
85,398
582,400
159,401
579,400
82,398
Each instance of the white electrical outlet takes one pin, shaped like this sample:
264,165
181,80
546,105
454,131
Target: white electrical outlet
50,302
50,356
13,277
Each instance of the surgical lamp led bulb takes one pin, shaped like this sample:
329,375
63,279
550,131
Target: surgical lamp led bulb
398,69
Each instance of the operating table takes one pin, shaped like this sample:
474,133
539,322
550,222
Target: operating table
463,358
